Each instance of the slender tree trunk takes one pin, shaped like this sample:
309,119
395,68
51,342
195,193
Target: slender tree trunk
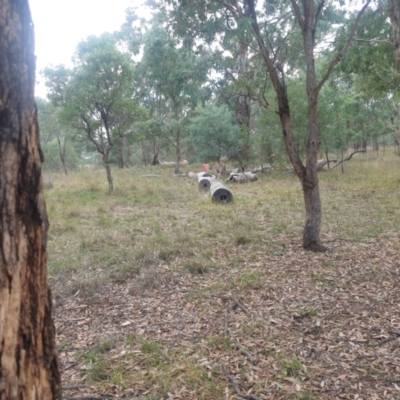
327,159
120,154
397,131
144,153
156,151
108,172
178,152
61,148
342,167
310,184
29,366
395,21
243,103
128,156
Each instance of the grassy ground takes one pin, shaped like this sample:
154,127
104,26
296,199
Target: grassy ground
160,293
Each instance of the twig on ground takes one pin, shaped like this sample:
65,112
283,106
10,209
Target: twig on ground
244,351
73,387
240,305
389,339
70,366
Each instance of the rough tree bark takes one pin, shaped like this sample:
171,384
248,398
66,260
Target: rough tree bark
29,366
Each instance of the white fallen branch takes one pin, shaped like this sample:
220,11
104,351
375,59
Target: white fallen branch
263,168
242,177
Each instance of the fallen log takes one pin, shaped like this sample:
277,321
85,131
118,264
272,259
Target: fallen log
242,177
220,193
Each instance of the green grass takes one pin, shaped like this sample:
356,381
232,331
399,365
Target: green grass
152,220
151,223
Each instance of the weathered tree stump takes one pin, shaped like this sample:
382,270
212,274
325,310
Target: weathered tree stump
220,193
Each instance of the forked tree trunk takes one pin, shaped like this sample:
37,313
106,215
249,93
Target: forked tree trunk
29,366
307,18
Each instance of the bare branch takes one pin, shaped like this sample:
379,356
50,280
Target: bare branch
318,12
374,41
297,12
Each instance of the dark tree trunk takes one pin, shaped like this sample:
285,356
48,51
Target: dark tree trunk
128,156
395,21
29,367
397,131
144,153
108,172
309,181
62,151
178,154
243,100
156,151
243,104
120,154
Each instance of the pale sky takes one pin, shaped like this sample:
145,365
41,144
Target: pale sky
61,24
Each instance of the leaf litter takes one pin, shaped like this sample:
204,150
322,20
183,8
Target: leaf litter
284,324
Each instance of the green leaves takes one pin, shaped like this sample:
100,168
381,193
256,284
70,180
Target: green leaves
214,134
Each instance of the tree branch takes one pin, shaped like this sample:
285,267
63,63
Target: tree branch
349,157
297,13
341,54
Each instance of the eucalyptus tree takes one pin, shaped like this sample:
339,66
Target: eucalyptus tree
372,64
29,366
275,29
176,77
214,134
52,129
96,95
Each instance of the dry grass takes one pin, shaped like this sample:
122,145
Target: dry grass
171,282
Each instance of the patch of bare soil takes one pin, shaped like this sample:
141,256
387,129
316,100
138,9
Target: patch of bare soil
285,325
